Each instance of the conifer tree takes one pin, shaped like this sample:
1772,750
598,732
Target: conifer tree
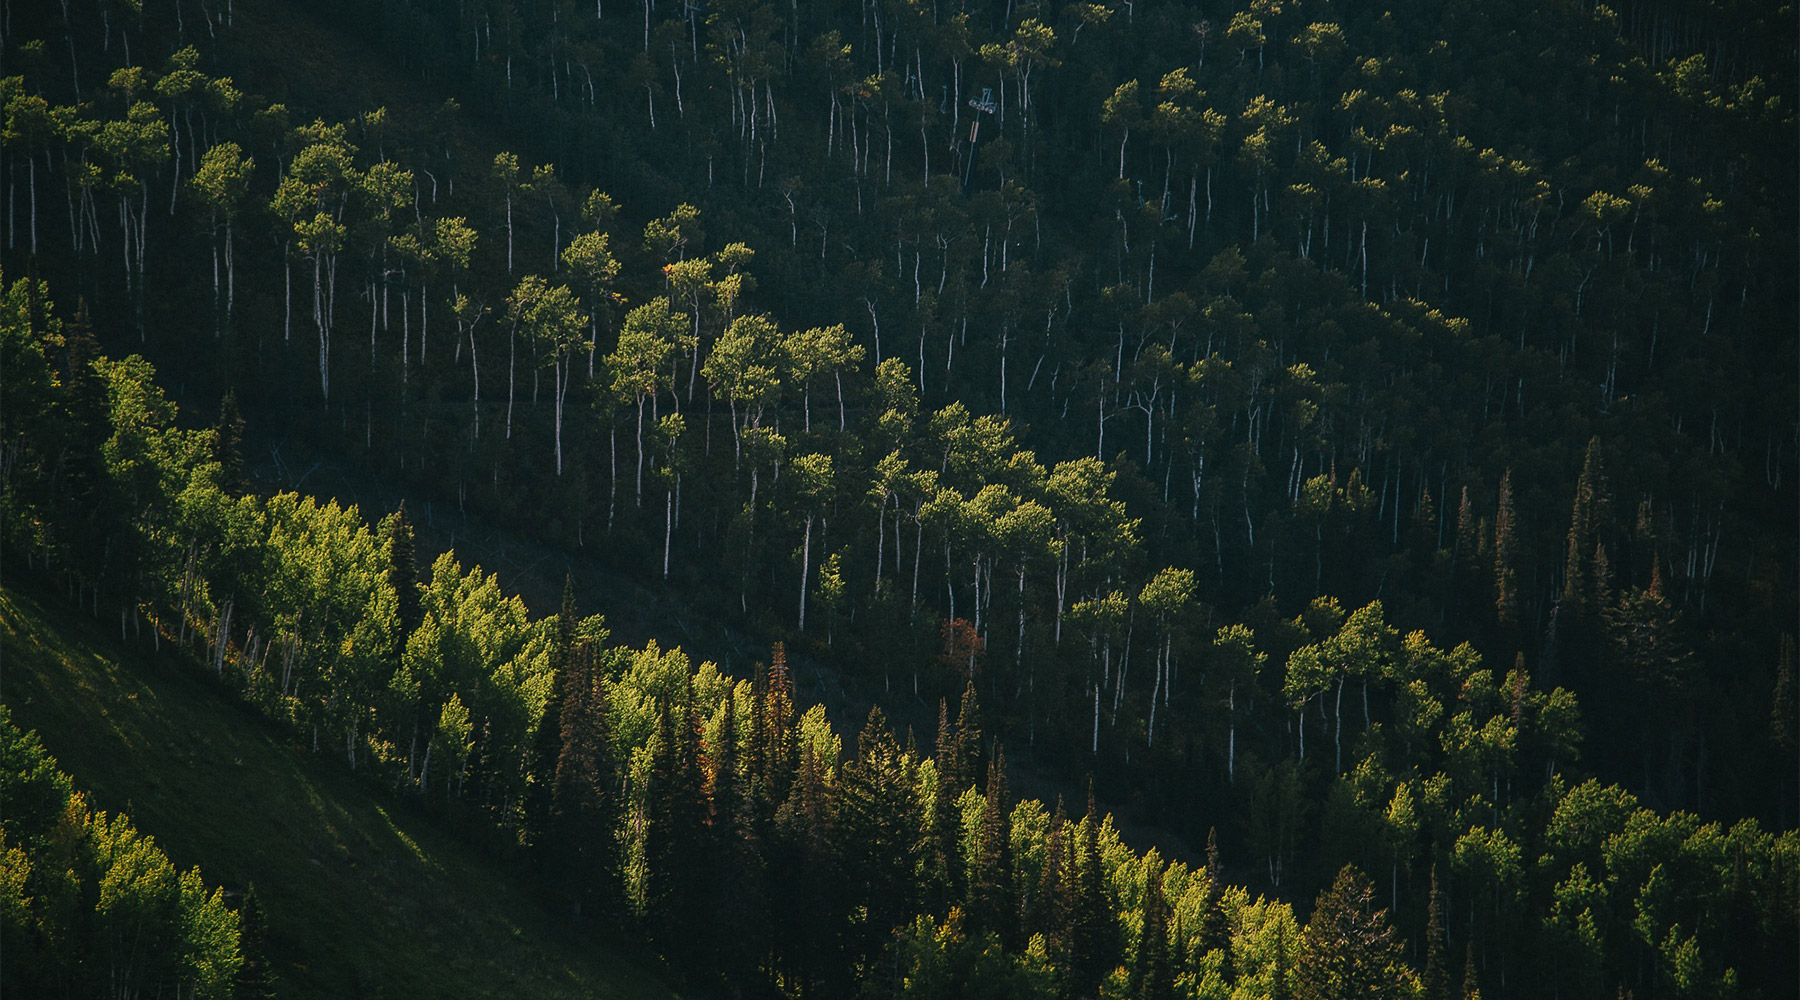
1471,987
1350,949
943,859
1506,582
1094,931
1580,572
1467,538
584,810
1215,926
1435,981
228,446
1152,977
993,904
546,738
1784,713
969,755
679,839
403,570
1051,916
255,980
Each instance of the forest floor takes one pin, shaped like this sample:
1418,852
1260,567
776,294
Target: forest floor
366,895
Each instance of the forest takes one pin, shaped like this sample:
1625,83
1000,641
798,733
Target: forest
1468,325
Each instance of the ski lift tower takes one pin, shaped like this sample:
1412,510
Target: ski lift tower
984,106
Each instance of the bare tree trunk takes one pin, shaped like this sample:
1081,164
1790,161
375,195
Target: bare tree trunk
805,564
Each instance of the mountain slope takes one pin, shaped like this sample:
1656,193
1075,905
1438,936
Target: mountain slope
365,897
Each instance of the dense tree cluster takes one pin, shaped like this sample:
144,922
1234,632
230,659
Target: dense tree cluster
668,797
1177,369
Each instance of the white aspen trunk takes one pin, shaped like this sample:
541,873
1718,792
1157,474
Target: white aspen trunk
324,329
1094,747
561,389
918,557
1231,735
669,536
1062,588
230,275
805,564
512,364
1337,727
287,313
880,540
1019,649
1155,691
475,372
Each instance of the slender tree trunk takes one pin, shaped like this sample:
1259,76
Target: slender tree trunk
669,537
805,564
512,356
640,450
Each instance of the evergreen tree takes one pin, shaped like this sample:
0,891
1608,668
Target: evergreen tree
679,840
1152,977
1215,925
969,757
1784,712
584,809
993,903
1506,543
1435,980
1471,987
255,979
228,446
943,858
1585,522
877,839
403,569
1350,949
1094,931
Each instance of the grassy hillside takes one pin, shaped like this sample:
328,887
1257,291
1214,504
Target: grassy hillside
365,897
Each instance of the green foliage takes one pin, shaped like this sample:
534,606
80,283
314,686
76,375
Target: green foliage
91,903
1430,265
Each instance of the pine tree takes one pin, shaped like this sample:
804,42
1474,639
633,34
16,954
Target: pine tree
583,809
777,750
403,569
679,840
969,755
943,858
1152,978
1215,927
228,446
1784,713
1350,949
877,836
1585,521
1050,917
1506,583
1467,538
547,737
1436,978
993,904
255,980
948,754
1094,931
1471,987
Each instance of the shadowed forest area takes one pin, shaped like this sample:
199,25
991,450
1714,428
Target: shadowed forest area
1357,446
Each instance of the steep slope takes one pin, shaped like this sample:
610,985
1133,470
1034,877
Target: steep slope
365,897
